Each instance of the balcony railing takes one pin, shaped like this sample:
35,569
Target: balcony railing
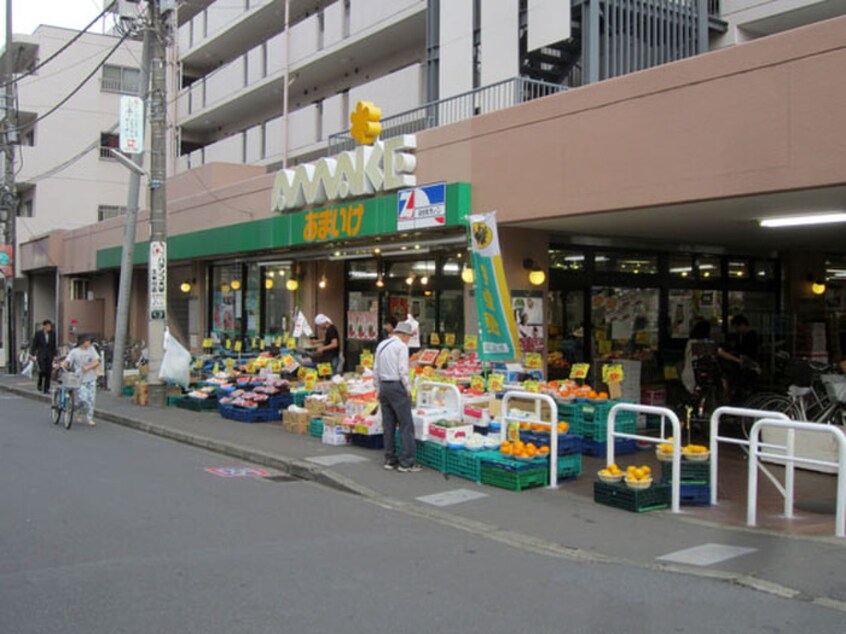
504,94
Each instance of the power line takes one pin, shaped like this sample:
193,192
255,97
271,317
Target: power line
62,49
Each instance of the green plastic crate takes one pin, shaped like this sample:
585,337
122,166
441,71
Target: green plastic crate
691,472
127,390
197,405
622,497
300,397
598,430
466,464
569,467
431,455
171,400
315,427
514,480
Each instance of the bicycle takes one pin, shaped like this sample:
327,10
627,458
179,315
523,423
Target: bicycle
63,404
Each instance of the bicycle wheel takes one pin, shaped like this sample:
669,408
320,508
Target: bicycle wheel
56,406
70,403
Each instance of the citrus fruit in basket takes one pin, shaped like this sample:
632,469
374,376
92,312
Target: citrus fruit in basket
544,450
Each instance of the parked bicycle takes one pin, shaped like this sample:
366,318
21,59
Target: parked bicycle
63,404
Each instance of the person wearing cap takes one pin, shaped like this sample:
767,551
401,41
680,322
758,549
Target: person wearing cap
84,360
392,382
330,350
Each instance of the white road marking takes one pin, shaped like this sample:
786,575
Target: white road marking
706,554
338,458
448,498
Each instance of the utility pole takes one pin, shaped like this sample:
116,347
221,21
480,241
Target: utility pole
128,253
8,205
157,264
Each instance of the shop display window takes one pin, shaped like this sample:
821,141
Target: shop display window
227,301
681,266
567,260
252,302
624,321
452,314
277,300
363,270
709,267
631,263
363,327
687,306
738,269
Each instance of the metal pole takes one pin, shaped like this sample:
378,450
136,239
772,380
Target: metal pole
157,263
128,253
285,87
9,197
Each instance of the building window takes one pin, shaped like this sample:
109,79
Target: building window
25,210
107,142
104,212
120,79
79,289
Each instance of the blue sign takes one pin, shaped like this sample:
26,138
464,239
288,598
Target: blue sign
421,207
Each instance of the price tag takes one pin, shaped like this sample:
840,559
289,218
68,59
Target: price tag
229,363
291,344
239,345
534,360
477,383
449,338
276,366
366,359
288,360
443,357
579,371
531,386
278,342
643,338
514,432
254,343
311,378
198,364
435,339
208,343
612,373
251,367
261,343
471,342
216,368
605,346
228,344
324,369
496,382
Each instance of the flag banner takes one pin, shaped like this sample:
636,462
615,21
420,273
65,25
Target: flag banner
498,340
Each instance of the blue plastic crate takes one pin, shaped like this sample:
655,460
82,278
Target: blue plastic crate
258,415
695,495
368,441
281,401
622,447
567,443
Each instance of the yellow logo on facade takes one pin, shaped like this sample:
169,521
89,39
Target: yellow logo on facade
365,122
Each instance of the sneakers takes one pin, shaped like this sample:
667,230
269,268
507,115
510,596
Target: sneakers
390,466
411,469
91,421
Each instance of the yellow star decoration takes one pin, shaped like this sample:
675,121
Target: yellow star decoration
365,122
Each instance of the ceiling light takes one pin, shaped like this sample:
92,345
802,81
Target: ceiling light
235,284
322,282
292,285
224,288
380,283
799,221
467,275
268,283
185,287
424,280
409,280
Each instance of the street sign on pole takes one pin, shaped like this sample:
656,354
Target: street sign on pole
131,124
157,280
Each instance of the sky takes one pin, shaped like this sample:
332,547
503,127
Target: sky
28,14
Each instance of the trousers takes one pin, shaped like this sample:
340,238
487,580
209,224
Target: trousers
395,404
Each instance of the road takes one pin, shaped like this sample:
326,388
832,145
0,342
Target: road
106,530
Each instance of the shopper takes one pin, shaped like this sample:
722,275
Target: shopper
43,351
84,359
393,384
389,325
330,350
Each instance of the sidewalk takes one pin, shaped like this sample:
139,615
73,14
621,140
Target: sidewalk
799,559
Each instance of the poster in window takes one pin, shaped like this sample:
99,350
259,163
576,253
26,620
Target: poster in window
362,325
398,307
529,315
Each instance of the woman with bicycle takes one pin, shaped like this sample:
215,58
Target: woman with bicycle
84,359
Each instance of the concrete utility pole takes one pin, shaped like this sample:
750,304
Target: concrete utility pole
9,196
157,266
128,253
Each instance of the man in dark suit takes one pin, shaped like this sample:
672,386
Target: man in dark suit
43,351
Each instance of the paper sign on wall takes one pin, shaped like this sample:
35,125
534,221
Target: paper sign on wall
579,371
449,338
471,342
238,346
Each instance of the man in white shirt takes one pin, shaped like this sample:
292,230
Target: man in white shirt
391,378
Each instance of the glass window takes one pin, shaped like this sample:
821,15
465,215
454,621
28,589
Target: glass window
363,270
567,260
277,299
452,266
624,320
708,267
120,79
252,296
452,315
764,270
363,327
738,269
226,300
632,263
681,266
687,306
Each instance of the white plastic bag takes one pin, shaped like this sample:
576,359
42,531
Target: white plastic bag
176,363
28,369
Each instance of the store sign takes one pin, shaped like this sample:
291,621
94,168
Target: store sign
131,125
421,207
157,280
384,166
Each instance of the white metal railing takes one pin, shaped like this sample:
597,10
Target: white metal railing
675,502
539,400
716,439
428,391
790,458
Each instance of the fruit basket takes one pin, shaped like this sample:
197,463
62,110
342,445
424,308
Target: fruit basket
696,456
664,456
639,485
610,478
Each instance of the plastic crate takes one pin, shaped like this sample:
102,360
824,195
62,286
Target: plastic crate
496,459
569,467
432,455
127,390
622,447
695,495
512,480
622,497
258,415
299,397
315,427
567,443
595,420
466,464
691,472
368,441
174,399
196,404
280,401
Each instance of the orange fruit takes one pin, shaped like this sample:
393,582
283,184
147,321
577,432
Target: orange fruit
544,450
506,451
531,447
603,395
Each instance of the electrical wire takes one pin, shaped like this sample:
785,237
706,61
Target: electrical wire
62,49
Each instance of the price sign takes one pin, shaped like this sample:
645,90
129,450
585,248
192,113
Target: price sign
208,343
216,368
371,408
449,338
531,386
261,343
514,432
288,361
366,359
291,343
579,371
311,378
443,357
612,373
198,364
435,339
643,338
534,361
229,363
471,342
477,383
228,344
276,366
496,382
605,346
254,343
239,345
251,367
324,369
278,342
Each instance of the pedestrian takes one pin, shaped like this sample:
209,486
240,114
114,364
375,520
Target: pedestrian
391,378
389,325
84,359
330,350
43,351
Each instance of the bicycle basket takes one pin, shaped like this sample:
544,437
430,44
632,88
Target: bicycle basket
71,380
835,386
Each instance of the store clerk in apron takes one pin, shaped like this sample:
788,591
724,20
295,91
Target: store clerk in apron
392,382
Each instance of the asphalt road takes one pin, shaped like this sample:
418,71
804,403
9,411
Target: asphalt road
105,530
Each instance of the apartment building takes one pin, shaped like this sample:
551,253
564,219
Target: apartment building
66,177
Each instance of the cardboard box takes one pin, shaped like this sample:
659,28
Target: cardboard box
315,406
446,435
295,427
141,396
296,418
